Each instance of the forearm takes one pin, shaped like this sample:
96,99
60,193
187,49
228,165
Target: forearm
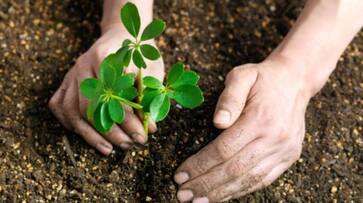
319,37
111,12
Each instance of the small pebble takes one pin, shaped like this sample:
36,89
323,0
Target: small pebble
148,199
333,189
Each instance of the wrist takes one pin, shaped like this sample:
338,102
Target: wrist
312,69
297,73
106,26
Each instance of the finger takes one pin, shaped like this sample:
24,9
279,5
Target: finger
81,127
56,102
245,183
219,150
132,126
83,105
116,136
268,180
119,138
152,126
155,69
84,71
243,161
91,136
55,105
234,96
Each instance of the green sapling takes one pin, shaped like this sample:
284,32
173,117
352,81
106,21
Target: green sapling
115,88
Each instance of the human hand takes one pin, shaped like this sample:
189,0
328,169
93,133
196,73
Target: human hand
69,106
262,109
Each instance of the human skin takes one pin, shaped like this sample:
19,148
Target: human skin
69,106
263,107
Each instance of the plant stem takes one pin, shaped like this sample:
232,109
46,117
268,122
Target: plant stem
132,104
145,115
146,125
140,85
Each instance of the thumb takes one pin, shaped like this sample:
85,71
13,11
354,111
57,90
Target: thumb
234,96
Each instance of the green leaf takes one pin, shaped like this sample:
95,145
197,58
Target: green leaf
129,93
130,18
149,95
106,120
127,58
159,107
154,29
121,55
122,82
131,75
126,43
188,96
116,111
90,87
138,60
150,52
114,61
108,75
97,119
187,78
92,106
175,72
152,82
109,66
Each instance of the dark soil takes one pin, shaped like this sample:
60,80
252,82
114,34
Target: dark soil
40,160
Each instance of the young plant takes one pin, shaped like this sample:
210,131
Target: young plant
115,88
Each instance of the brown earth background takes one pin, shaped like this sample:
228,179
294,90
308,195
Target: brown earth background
42,162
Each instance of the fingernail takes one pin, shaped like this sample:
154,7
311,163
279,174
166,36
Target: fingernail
138,138
185,195
181,177
125,146
222,117
104,148
201,200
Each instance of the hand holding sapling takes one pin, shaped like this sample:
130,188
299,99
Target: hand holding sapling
115,88
69,105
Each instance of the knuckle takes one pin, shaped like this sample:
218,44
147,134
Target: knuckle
282,136
198,164
232,99
80,62
266,118
204,187
239,70
279,133
253,179
264,115
76,125
236,167
52,103
235,72
193,165
224,149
